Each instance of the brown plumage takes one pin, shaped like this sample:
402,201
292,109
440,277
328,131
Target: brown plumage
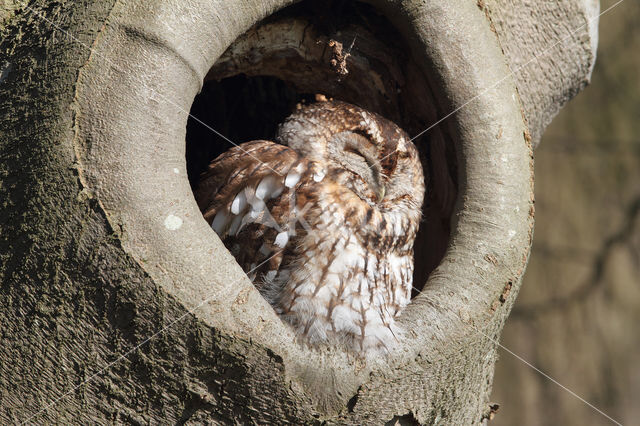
325,225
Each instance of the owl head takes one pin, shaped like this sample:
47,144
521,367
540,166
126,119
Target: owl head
361,150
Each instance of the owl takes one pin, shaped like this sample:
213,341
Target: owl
323,221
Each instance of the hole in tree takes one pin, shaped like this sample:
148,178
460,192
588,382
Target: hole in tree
287,59
241,109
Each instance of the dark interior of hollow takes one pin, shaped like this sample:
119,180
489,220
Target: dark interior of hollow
244,105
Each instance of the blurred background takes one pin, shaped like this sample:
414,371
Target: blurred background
577,317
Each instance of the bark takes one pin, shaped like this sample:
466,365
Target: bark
551,51
118,304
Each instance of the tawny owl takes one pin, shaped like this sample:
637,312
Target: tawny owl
324,221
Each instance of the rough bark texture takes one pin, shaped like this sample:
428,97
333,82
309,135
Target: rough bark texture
109,314
551,49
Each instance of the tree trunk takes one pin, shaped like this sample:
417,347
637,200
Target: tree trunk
118,304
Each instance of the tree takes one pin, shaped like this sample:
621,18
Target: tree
117,302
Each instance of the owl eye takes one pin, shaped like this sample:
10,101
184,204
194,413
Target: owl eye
371,163
368,168
355,151
359,144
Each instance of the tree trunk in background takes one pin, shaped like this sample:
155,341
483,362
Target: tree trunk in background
77,306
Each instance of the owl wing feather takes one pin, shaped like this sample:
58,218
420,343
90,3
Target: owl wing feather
248,196
325,238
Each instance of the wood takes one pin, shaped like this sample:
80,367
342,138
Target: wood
92,275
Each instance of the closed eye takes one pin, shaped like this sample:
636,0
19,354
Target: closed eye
352,150
369,171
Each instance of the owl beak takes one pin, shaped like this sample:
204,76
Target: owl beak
383,190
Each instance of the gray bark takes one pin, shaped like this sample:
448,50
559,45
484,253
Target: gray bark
105,261
551,50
